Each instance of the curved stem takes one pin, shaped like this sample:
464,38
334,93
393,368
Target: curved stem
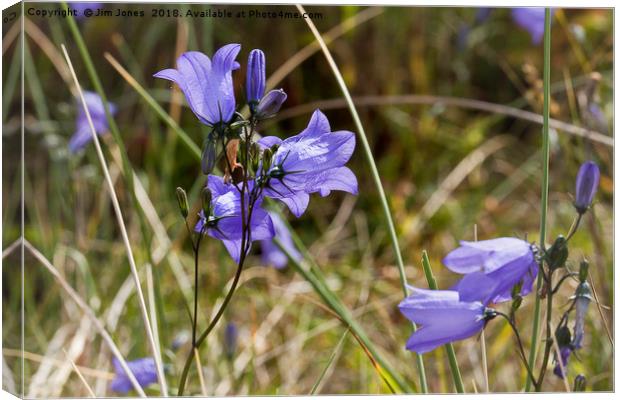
562,279
549,339
573,227
544,190
214,321
520,343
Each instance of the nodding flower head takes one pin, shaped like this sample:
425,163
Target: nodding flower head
143,369
96,109
255,78
508,261
448,315
582,297
560,369
312,161
207,84
225,221
586,186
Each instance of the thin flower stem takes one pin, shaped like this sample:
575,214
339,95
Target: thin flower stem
375,174
520,343
203,336
125,236
549,337
573,227
454,366
544,190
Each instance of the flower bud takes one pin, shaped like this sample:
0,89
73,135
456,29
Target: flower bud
254,156
267,157
255,78
206,201
558,253
270,104
208,157
580,383
586,185
182,200
583,270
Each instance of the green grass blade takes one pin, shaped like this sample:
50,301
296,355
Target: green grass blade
376,178
454,366
545,188
331,359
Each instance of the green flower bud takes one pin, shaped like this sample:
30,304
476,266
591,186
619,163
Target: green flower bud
580,383
206,201
558,253
267,157
182,200
583,270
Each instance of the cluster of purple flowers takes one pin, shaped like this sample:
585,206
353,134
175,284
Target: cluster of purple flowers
288,170
496,271
491,269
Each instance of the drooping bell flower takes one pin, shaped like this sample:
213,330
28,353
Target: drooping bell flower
225,219
255,78
582,302
508,261
560,370
143,369
532,19
586,186
312,161
448,315
83,135
207,84
272,255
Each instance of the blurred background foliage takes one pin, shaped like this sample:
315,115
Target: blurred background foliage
448,170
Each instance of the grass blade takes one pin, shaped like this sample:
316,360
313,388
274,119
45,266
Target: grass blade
88,311
119,216
331,359
544,190
375,175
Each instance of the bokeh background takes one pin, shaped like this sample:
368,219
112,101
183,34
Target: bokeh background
451,166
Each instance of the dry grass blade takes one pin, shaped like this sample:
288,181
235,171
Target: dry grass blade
89,313
79,374
119,216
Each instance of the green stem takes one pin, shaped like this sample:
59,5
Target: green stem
332,301
375,176
454,366
544,191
